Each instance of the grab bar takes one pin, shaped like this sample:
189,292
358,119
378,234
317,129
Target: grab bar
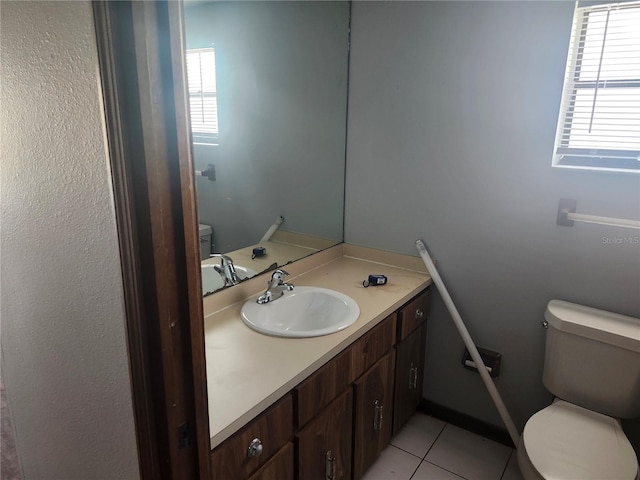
567,215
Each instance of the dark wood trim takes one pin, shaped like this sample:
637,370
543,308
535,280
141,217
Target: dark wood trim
112,29
467,422
139,48
191,232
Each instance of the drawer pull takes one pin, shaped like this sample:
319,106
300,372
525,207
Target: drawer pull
413,377
255,448
377,415
419,314
330,466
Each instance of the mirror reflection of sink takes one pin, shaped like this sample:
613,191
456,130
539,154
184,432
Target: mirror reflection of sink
303,312
212,280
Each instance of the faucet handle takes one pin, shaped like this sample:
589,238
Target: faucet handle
223,258
277,277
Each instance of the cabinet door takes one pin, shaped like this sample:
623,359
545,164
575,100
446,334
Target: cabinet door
324,445
409,376
280,467
374,412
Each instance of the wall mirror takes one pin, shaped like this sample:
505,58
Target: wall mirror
268,99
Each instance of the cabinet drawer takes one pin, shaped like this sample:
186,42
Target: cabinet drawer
273,429
280,467
370,348
414,314
322,387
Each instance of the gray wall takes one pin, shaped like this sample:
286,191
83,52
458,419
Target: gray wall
282,99
452,116
64,354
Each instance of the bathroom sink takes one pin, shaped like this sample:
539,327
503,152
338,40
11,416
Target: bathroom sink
302,312
212,280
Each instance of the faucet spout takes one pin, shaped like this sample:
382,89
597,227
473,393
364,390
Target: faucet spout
227,269
275,287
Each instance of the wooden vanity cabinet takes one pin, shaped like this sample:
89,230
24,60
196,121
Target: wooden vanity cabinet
333,425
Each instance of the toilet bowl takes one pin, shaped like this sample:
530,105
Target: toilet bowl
592,365
565,441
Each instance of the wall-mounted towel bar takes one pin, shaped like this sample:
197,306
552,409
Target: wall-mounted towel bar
567,215
209,172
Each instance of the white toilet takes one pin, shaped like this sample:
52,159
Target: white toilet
592,366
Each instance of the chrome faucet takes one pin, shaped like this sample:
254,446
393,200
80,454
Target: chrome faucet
226,269
275,287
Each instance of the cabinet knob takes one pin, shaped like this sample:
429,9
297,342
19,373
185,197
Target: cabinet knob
419,314
255,448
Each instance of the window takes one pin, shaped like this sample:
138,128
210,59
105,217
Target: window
599,124
203,102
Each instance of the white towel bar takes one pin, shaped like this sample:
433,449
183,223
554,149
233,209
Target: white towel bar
210,172
567,215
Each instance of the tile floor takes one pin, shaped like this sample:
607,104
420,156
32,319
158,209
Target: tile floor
430,449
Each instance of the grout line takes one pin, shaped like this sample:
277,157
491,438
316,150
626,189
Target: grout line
414,472
434,442
445,469
405,451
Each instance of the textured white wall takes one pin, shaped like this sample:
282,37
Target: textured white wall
63,333
452,118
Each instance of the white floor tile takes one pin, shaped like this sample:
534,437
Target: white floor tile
418,434
428,471
393,464
513,470
469,455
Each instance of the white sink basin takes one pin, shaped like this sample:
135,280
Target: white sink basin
303,312
212,280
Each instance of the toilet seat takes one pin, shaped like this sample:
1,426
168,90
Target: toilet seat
568,442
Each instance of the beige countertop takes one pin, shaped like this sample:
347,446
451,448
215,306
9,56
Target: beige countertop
248,371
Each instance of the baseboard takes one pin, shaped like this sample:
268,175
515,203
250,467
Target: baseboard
467,422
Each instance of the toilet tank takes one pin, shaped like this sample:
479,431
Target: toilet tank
592,358
206,233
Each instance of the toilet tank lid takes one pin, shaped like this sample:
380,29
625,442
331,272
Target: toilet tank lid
600,325
205,229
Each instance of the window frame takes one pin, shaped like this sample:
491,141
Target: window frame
200,137
613,160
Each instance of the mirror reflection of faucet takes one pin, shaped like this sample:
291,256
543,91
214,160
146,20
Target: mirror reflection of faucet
275,287
226,269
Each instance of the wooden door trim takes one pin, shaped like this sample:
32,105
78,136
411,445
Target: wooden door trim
140,47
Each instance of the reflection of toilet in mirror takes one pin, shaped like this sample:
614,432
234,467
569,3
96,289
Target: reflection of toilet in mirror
206,240
592,366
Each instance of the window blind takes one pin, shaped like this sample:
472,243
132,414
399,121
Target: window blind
599,124
203,102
